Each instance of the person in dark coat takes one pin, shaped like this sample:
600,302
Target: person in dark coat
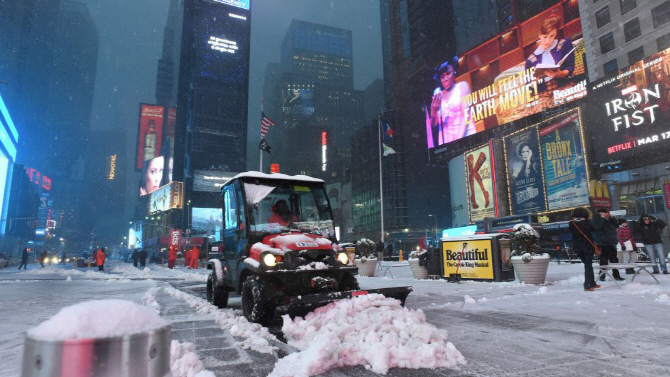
650,228
604,228
43,257
24,259
135,257
581,229
143,257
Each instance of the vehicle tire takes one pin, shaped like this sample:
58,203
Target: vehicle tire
216,295
256,305
349,283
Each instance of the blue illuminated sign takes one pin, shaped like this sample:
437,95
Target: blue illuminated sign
7,143
244,4
461,231
8,120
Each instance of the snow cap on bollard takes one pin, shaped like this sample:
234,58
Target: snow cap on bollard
99,338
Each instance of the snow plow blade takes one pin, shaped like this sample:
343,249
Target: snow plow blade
301,303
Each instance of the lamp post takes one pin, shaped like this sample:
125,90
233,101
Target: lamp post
434,229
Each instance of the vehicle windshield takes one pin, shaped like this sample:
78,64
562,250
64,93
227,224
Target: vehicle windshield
276,207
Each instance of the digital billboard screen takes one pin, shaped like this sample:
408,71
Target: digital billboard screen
222,41
524,172
207,221
298,100
149,135
481,186
629,114
535,65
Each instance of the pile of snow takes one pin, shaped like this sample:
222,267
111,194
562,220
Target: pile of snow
314,266
184,362
218,270
149,299
255,336
370,330
98,319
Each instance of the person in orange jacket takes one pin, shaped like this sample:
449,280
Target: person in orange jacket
100,259
187,257
172,256
195,255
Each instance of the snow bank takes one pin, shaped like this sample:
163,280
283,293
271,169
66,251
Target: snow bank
370,330
184,362
218,270
98,319
255,336
149,299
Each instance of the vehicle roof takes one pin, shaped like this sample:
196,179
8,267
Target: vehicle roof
278,176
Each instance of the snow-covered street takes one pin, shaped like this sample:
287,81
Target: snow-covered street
500,329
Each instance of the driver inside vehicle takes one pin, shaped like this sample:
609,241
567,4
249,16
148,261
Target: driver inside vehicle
281,214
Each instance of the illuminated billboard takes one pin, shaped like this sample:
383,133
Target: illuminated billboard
149,135
480,183
211,180
207,221
244,4
629,114
167,197
222,41
535,65
298,100
524,172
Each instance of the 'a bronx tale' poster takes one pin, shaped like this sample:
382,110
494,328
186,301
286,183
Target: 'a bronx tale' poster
564,165
524,172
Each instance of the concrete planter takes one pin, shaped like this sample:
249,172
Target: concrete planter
367,267
532,272
419,272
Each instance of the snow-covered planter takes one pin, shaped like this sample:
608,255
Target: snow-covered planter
366,261
530,264
418,263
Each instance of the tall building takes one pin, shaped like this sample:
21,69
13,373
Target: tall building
311,92
168,64
619,33
212,95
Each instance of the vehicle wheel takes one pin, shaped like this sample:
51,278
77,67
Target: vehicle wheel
256,305
349,283
216,295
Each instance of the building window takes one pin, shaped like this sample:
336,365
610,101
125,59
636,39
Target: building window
607,43
631,29
636,55
661,14
610,67
627,6
663,42
603,17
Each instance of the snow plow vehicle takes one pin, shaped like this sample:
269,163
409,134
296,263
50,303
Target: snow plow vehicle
279,249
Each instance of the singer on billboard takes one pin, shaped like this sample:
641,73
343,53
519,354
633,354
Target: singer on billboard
447,110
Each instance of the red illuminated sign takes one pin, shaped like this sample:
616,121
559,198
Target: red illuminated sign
324,138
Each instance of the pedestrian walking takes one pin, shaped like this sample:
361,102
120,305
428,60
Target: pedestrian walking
24,259
142,255
604,231
187,258
43,258
172,256
136,258
581,229
100,259
195,255
650,230
627,244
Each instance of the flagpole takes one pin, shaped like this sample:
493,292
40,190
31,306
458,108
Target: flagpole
381,184
260,169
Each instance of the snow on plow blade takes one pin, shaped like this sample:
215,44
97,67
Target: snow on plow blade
320,299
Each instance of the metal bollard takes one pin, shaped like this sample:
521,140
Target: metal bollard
142,354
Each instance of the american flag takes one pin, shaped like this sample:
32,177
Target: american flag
266,123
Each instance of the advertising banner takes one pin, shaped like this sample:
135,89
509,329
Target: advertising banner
459,198
524,172
508,77
629,115
476,261
298,100
175,237
666,194
480,183
149,135
208,221
599,194
167,197
211,180
565,170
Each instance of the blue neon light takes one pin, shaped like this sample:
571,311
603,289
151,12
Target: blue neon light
244,4
8,120
462,231
7,143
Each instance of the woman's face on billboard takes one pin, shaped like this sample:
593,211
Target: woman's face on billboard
447,78
154,174
546,40
526,153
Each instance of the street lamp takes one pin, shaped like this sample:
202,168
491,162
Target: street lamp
435,228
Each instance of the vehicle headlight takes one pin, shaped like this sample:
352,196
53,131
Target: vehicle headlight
67,260
270,260
343,258
54,260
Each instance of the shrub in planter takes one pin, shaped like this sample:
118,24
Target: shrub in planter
528,260
366,260
419,263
